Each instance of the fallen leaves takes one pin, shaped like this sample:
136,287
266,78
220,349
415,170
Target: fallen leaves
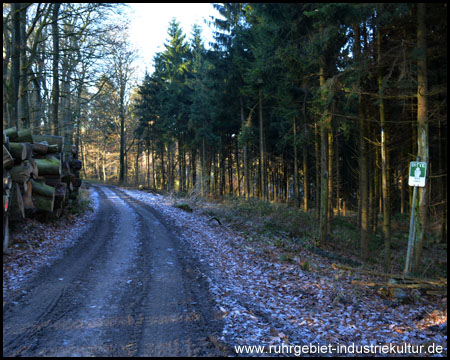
265,301
38,244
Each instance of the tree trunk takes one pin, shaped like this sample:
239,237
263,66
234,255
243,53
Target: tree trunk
194,167
363,186
16,8
163,173
238,171
8,160
16,207
376,185
27,196
203,167
261,148
40,148
44,203
337,177
23,110
60,198
305,159
36,104
6,83
136,164
18,151
384,164
148,164
245,151
363,168
208,175
21,173
422,129
443,179
317,163
55,71
296,199
103,166
40,83
122,136
49,166
11,133
305,179
24,135
66,105
170,174
230,169
330,178
323,221
40,188
51,140
180,165
222,172
324,125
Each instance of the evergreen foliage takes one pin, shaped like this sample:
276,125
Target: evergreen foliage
252,106
318,105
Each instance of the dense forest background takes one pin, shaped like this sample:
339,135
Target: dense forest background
321,106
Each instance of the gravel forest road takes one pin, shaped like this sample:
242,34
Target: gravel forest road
128,287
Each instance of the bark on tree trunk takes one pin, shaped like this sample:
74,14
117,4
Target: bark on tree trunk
296,199
15,62
324,125
384,163
8,160
203,167
18,151
55,71
330,178
16,208
49,166
363,168
21,173
305,158
40,188
44,203
261,148
422,129
23,109
317,163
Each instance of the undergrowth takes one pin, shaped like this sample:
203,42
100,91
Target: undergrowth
291,230
81,204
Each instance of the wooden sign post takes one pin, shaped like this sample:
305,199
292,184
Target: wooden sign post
417,176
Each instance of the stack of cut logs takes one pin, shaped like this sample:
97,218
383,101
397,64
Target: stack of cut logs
40,173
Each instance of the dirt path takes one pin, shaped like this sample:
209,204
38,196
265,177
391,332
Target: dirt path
127,288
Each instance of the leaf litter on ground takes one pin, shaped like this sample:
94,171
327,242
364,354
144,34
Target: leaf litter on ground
265,301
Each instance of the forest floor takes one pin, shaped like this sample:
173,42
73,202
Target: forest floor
267,298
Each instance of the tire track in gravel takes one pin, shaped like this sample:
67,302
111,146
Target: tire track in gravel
27,318
179,317
126,288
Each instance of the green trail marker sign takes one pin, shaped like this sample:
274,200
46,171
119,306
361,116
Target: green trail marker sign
417,173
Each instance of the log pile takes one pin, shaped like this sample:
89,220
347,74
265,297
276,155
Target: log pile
398,281
40,174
